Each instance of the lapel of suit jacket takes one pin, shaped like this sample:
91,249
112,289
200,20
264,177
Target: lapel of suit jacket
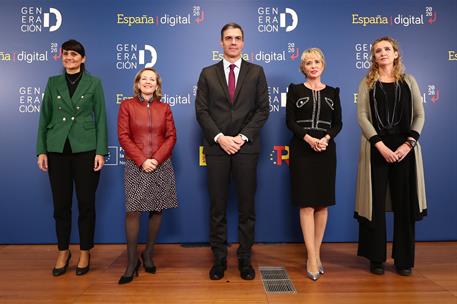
62,89
82,87
222,80
241,76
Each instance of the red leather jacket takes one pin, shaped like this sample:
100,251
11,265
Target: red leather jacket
146,130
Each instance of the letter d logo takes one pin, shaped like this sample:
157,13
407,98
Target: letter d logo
58,15
282,19
153,53
283,100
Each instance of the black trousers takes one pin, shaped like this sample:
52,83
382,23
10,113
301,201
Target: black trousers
243,169
64,169
401,179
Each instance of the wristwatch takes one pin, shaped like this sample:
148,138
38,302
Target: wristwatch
411,143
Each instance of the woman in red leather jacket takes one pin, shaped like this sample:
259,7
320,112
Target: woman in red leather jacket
147,134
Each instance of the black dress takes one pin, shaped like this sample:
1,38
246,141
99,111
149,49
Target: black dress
312,173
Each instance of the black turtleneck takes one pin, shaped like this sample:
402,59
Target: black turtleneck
73,81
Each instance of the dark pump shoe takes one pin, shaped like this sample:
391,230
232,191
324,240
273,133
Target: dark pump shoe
246,270
60,271
128,279
83,270
217,271
404,271
150,269
376,268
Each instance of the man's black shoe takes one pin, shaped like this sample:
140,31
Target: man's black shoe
217,271
246,270
404,271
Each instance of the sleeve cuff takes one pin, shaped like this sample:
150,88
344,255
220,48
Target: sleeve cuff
244,137
374,139
217,137
414,134
330,133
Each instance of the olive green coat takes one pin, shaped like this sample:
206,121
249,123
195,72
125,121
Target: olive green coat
363,197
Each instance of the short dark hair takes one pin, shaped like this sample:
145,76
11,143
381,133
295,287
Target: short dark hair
229,26
73,45
78,47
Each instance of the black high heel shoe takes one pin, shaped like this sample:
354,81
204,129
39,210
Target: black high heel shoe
128,279
83,270
60,271
150,269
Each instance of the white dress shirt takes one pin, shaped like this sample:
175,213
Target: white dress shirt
227,69
236,70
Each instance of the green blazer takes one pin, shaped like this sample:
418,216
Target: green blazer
81,119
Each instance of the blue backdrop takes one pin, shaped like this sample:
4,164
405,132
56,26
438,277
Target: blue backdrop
179,38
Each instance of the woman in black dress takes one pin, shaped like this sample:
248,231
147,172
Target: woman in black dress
313,114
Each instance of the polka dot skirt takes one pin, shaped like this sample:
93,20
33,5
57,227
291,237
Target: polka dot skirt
153,191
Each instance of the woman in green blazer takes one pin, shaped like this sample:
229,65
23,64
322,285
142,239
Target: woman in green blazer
71,144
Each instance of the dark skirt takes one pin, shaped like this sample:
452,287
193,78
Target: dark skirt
312,174
153,191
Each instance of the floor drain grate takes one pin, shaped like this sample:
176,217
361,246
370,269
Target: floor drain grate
276,280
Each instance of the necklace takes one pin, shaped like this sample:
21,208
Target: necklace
72,82
390,116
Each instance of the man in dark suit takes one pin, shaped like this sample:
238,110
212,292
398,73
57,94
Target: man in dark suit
232,106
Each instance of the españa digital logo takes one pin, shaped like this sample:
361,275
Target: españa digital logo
291,52
170,99
429,16
35,19
171,19
31,56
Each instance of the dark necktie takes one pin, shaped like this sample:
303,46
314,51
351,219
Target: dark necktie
231,82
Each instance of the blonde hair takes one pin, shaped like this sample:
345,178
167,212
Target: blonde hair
310,52
399,68
157,93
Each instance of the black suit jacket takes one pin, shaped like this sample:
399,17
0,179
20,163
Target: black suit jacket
246,115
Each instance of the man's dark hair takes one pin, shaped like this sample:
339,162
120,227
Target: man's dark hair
229,26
